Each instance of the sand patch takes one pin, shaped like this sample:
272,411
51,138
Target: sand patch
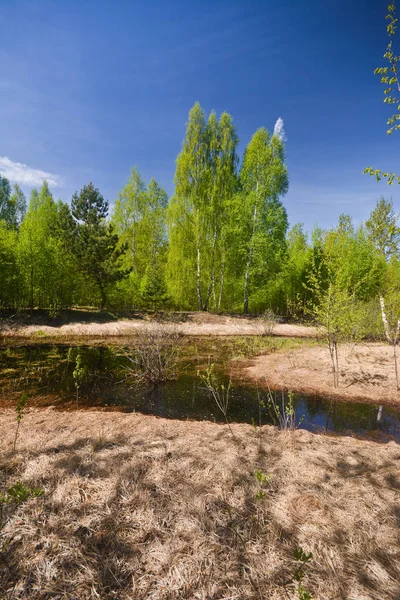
366,372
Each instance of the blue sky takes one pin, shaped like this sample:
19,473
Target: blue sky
90,88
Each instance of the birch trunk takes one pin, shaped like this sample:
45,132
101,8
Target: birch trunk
221,285
199,277
212,273
392,337
248,265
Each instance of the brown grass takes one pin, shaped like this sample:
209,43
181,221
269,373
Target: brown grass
137,507
194,323
366,372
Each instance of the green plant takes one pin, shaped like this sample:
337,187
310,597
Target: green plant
79,374
262,479
54,310
20,411
18,493
269,321
302,559
155,356
218,391
282,411
38,333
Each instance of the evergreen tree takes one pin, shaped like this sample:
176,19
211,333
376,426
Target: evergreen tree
95,244
154,288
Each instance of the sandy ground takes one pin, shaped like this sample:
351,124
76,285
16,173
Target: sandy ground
366,372
190,324
136,507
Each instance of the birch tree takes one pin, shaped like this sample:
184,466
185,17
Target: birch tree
390,310
139,218
205,180
261,217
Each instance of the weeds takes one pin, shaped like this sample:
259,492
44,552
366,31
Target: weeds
269,321
218,391
156,355
302,559
282,411
18,493
262,479
79,374
20,411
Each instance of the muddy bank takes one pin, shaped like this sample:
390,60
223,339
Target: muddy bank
194,324
366,373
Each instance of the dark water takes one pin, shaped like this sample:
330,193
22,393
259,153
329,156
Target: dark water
47,371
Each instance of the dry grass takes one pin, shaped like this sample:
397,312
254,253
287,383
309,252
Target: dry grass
194,323
366,372
137,507
154,356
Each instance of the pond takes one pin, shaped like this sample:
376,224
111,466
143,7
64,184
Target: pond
48,374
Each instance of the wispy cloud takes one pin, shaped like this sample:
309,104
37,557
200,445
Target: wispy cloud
24,175
279,129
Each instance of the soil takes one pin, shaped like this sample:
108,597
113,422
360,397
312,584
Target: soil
195,323
366,373
135,507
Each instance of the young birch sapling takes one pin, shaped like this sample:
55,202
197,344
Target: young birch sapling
20,411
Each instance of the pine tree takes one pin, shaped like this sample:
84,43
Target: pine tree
95,243
154,288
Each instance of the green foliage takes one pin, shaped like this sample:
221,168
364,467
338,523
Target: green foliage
95,244
19,493
80,374
154,288
198,217
12,205
383,229
262,479
260,218
390,79
220,243
139,218
218,391
281,409
303,558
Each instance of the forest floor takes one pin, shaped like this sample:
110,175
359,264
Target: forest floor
367,372
135,507
95,324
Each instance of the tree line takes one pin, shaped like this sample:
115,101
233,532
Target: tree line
220,243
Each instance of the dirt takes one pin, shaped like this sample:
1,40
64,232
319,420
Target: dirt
193,324
366,373
139,508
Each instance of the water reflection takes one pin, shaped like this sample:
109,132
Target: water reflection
40,369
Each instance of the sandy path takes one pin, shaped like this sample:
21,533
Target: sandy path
366,373
197,324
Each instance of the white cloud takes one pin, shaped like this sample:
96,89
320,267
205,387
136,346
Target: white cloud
279,129
24,175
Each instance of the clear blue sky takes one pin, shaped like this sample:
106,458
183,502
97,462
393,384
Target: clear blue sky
90,88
